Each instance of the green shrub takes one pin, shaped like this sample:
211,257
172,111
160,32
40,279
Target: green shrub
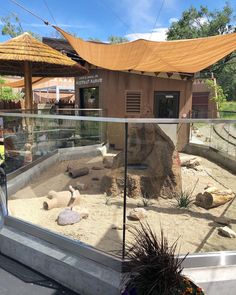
184,199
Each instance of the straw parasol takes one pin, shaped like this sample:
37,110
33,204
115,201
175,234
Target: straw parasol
27,56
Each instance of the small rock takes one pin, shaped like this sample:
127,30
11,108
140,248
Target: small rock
68,216
95,178
227,232
120,227
223,220
138,213
81,186
96,168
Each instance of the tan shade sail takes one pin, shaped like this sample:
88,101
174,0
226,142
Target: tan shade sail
182,56
21,82
44,60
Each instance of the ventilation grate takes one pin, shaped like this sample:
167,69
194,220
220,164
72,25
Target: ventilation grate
133,102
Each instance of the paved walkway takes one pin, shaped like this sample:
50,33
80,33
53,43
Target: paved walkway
16,279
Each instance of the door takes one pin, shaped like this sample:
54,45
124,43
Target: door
89,100
166,104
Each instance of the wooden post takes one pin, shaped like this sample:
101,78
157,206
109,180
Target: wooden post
28,86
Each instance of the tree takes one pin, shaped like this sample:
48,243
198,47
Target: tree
218,95
7,93
203,23
94,39
117,39
111,39
11,26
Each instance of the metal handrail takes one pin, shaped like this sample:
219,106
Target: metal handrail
120,120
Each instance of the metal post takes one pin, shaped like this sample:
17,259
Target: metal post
125,188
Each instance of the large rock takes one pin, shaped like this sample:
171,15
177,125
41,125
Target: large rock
153,165
137,214
72,216
68,216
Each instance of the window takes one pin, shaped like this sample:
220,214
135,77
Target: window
166,104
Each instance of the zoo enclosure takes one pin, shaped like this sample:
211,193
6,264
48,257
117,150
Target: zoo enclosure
54,127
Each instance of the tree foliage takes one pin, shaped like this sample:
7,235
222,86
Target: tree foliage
117,39
217,93
111,39
7,93
11,26
203,23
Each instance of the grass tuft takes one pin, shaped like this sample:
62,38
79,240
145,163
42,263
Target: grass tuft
184,199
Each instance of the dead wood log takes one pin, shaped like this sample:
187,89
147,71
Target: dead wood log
213,198
77,172
61,199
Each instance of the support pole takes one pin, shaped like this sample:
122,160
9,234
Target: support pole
57,93
28,86
125,189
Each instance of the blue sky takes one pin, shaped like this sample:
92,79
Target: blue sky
102,18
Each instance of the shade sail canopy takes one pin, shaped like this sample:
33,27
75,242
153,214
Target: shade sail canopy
44,60
182,56
21,82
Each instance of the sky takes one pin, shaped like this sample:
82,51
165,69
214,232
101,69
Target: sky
100,19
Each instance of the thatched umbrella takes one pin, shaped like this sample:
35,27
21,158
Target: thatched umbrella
27,56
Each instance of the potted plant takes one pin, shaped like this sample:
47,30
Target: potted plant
153,267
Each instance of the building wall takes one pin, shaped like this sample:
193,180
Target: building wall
113,86
208,107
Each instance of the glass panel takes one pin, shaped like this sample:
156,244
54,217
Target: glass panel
183,188
201,133
67,176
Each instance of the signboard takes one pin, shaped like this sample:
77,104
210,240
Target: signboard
88,80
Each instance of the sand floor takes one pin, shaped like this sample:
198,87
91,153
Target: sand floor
194,227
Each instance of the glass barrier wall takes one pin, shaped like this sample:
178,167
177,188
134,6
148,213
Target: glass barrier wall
59,177
94,180
178,186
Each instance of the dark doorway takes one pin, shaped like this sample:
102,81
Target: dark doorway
89,99
166,104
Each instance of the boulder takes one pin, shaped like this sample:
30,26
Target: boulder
108,162
68,216
109,184
72,215
137,214
153,165
227,232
